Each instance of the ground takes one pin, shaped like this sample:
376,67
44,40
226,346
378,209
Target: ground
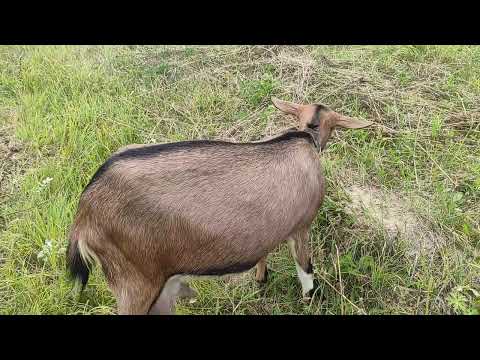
398,233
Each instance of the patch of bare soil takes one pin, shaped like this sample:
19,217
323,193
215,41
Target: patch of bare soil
10,153
11,160
395,215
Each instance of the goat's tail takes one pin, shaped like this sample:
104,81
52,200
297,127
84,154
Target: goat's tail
77,264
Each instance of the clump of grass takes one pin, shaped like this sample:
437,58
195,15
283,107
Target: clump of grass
257,91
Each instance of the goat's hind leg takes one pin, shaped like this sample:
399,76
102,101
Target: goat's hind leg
134,293
175,288
134,299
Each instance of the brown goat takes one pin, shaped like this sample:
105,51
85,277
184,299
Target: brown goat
154,213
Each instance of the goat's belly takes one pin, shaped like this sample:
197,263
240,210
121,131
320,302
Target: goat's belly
210,252
223,269
217,262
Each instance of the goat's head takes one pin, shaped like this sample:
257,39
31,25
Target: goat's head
319,118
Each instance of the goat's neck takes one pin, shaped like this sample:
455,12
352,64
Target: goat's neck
314,138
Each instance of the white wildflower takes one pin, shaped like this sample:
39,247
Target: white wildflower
44,183
46,249
47,181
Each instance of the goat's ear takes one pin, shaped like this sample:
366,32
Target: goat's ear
287,107
351,123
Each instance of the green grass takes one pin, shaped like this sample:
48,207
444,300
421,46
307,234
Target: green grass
71,107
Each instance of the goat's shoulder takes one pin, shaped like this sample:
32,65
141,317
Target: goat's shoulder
287,136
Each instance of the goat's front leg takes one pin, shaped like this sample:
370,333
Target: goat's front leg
300,250
262,271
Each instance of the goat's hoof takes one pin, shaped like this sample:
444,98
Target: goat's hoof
307,298
309,295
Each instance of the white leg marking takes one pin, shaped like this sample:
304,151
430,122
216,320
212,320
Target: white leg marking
305,279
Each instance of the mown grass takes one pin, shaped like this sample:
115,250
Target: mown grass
70,107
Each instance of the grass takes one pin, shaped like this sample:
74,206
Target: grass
64,109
